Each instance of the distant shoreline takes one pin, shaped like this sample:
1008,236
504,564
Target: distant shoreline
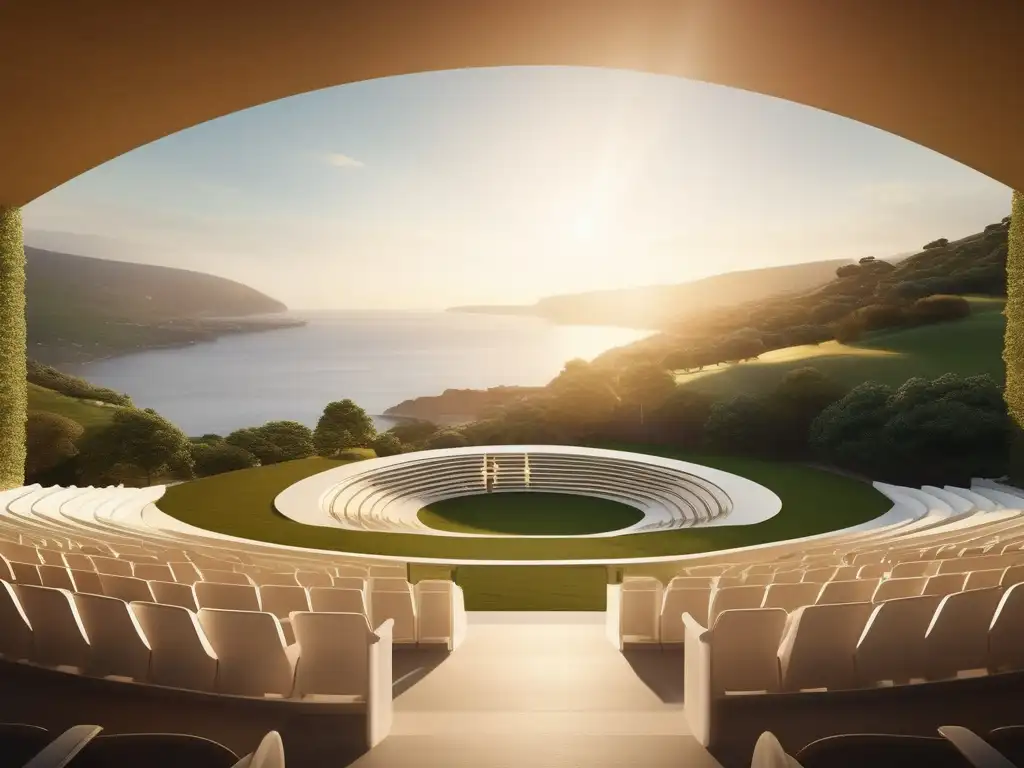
206,330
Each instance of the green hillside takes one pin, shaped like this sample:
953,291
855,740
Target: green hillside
967,347
89,414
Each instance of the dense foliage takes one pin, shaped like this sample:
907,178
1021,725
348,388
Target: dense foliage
137,448
13,386
275,441
343,425
50,441
1013,348
72,386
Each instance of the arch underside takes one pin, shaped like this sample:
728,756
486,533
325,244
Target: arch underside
86,82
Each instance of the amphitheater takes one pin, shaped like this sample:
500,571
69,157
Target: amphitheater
386,494
111,607
184,647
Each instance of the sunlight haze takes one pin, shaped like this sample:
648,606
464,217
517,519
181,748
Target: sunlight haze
507,185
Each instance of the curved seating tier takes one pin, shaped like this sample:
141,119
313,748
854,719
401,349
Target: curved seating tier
99,585
386,494
878,619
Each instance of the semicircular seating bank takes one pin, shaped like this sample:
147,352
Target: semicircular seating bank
110,604
387,494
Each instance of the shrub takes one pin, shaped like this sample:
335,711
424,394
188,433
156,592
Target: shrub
940,308
217,458
848,270
72,386
942,242
386,445
448,438
275,441
50,440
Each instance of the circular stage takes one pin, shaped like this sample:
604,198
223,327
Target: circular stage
388,494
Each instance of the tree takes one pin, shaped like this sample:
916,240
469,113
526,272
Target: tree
680,420
342,425
413,431
50,440
275,441
582,394
447,438
794,405
848,270
137,447
942,242
646,385
217,458
386,445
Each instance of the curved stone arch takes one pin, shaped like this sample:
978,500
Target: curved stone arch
87,82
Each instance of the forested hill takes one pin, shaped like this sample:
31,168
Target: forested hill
68,283
657,306
81,308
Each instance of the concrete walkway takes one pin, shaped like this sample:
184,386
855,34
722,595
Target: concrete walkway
540,690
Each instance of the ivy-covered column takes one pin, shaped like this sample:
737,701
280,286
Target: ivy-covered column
1013,344
13,389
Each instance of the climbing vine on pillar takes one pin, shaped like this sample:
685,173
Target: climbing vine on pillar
1013,344
13,389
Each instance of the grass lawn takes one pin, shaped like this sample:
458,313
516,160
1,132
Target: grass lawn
85,413
241,504
529,514
967,347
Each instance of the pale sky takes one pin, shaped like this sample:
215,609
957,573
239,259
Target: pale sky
505,185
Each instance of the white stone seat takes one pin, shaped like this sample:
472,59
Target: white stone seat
50,556
279,579
984,579
127,588
347,582
15,630
342,656
946,584
915,568
438,606
185,572
820,575
181,654
118,645
734,598
314,579
392,598
957,638
22,553
251,650
788,576
691,582
789,597
356,571
905,586
675,603
112,566
738,654
640,610
58,635
855,591
152,571
228,597
337,600
56,576
224,577
78,562
892,647
173,593
86,581
818,646
1006,651
26,573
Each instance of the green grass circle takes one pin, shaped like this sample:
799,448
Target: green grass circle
529,514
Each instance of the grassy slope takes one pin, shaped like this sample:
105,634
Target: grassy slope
968,347
85,413
529,514
241,503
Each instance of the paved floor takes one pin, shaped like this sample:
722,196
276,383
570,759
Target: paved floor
540,690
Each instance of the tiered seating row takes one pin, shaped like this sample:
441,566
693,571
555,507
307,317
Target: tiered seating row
386,494
87,588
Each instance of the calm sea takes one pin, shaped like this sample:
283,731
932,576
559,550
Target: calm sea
376,358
